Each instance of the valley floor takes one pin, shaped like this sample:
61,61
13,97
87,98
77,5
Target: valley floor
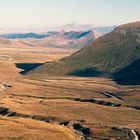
63,108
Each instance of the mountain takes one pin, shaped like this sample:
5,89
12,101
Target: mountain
26,35
62,39
77,27
70,39
108,55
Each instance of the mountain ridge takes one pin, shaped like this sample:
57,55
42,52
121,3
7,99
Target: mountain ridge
68,40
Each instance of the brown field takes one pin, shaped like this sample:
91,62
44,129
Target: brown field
62,108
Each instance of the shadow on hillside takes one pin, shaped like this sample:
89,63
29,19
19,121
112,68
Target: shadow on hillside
27,66
88,72
129,75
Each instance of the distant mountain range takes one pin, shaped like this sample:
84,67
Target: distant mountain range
26,35
76,27
70,39
62,39
116,54
66,28
73,39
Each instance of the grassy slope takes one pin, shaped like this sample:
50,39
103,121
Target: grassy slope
109,53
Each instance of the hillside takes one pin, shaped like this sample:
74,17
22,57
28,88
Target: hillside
106,55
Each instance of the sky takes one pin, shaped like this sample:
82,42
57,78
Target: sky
51,13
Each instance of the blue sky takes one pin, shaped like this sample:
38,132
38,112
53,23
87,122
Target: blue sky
49,13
